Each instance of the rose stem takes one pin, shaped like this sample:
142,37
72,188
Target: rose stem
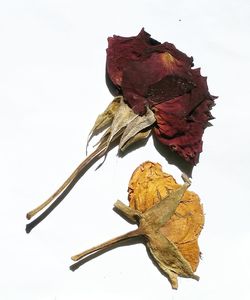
107,244
96,154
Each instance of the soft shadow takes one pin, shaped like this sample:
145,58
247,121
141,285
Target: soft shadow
173,158
112,88
133,147
128,242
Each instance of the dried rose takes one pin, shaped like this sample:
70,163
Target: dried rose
147,186
159,77
168,217
157,89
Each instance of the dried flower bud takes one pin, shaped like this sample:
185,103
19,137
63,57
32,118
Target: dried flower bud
169,218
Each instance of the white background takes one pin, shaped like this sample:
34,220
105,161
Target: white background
52,86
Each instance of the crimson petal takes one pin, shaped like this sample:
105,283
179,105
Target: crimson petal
159,76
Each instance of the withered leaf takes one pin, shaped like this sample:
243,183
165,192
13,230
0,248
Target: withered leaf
157,217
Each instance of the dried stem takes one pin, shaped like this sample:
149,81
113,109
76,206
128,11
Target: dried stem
96,154
105,245
131,214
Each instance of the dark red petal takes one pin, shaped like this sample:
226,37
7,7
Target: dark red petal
181,137
167,88
153,79
188,144
122,50
182,129
148,73
172,50
181,121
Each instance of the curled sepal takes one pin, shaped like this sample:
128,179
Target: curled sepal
169,258
143,135
121,122
134,131
123,117
105,119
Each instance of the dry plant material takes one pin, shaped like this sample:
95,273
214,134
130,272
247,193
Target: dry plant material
121,125
157,90
148,184
168,216
158,77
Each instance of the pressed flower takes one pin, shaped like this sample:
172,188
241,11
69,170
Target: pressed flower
156,90
168,216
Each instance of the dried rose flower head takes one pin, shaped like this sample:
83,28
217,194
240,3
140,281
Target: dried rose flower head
168,216
158,77
156,90
149,183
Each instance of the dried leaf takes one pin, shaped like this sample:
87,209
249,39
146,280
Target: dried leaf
155,221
